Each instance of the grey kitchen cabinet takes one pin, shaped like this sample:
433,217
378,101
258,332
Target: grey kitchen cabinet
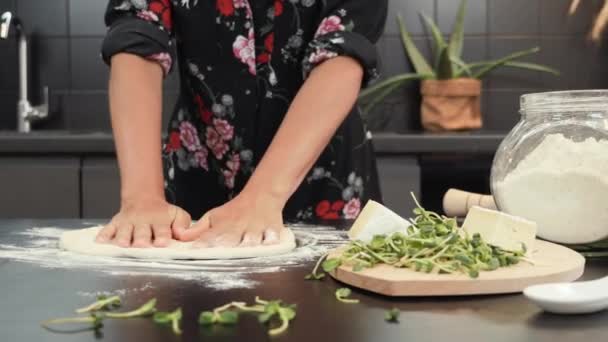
68,187
100,187
39,187
399,175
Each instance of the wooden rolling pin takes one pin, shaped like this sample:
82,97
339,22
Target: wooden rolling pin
457,202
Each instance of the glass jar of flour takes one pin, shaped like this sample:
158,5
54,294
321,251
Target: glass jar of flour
552,168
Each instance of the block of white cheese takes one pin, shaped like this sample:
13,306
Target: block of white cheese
376,219
499,229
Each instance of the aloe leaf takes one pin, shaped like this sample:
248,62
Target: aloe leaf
457,36
388,82
462,67
438,41
491,65
384,93
532,66
444,68
420,64
385,88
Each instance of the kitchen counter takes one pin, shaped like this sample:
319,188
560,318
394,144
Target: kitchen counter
32,294
65,142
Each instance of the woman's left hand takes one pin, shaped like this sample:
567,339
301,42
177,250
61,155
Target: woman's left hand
250,219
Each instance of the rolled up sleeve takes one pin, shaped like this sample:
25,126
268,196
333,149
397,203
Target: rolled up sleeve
142,28
348,28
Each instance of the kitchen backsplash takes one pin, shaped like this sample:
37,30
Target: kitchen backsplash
66,36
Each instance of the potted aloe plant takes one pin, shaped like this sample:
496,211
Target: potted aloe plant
450,87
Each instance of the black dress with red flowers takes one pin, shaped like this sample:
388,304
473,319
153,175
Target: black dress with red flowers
241,62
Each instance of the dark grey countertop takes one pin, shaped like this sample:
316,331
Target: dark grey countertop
31,293
64,142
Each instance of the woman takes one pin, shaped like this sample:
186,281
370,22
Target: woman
264,129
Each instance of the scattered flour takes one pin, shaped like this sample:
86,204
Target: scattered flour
41,246
119,292
562,185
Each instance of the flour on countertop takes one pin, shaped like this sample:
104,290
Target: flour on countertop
40,246
119,292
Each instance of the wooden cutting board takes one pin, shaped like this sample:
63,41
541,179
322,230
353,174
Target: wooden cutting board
552,263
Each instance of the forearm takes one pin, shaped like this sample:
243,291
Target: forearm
135,106
319,108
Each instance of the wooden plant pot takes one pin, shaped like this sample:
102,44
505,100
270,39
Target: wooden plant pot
451,105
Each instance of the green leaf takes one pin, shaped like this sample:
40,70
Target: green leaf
473,273
103,303
358,267
500,62
444,68
520,65
420,64
312,276
377,242
162,317
206,318
229,317
394,80
288,313
463,68
532,66
438,41
343,292
173,318
147,309
392,315
457,37
331,264
265,317
385,90
342,295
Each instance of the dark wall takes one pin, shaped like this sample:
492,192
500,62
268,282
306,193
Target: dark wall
66,35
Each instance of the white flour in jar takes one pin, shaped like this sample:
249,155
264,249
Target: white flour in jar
562,185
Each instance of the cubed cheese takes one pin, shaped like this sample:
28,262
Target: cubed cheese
376,219
499,229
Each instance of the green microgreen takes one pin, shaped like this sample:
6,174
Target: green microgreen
147,309
103,303
99,311
432,244
94,319
268,312
392,315
314,275
342,295
174,318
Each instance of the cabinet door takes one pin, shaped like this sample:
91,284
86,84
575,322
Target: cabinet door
39,187
100,187
399,175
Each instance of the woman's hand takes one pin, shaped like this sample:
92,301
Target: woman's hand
144,224
250,219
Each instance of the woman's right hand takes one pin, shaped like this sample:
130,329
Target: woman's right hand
144,224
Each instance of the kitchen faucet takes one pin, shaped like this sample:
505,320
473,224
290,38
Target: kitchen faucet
26,113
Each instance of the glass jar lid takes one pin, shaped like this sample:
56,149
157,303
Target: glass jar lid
565,101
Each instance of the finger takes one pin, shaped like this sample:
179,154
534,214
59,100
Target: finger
206,238
181,220
106,233
124,234
228,238
162,235
252,238
271,236
142,236
191,233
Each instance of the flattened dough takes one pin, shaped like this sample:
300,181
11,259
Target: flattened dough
83,241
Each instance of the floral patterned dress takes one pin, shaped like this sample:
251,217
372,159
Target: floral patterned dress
241,62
